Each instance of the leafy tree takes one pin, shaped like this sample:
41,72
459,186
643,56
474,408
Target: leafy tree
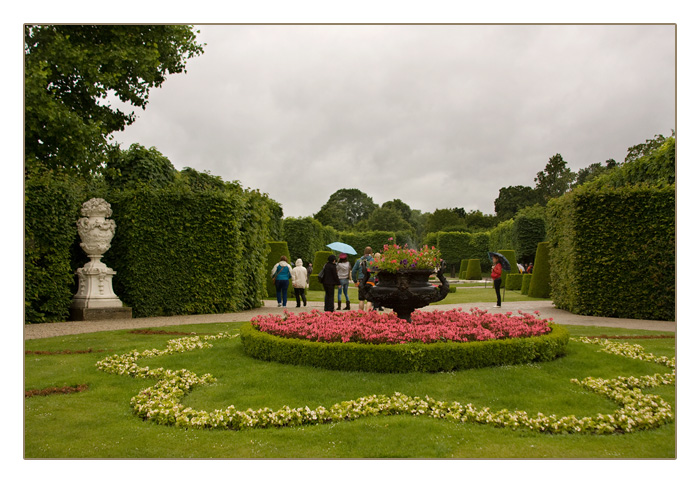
476,220
345,208
645,149
139,165
513,198
387,219
460,212
70,73
398,205
556,178
591,172
442,218
201,181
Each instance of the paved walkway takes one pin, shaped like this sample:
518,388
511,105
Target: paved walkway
545,308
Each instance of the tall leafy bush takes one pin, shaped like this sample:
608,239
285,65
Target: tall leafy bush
178,251
51,210
613,251
456,246
305,236
502,237
529,230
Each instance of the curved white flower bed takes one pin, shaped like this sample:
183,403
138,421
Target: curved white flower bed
161,402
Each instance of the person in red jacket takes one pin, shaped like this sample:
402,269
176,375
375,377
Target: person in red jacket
496,276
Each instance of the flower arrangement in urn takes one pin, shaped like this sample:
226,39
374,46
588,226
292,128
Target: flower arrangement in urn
394,258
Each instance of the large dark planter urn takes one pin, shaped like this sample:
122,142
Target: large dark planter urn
404,290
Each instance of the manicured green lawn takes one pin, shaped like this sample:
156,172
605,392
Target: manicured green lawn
99,423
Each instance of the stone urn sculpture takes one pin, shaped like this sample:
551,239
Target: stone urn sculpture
404,290
95,298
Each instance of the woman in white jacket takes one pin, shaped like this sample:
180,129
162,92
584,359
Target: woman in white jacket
299,281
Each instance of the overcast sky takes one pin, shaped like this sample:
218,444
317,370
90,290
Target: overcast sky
439,116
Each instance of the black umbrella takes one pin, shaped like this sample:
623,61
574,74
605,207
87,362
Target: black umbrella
504,261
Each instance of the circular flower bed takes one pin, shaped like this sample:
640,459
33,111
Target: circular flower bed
375,342
386,328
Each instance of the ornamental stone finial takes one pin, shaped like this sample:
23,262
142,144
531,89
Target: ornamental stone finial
95,298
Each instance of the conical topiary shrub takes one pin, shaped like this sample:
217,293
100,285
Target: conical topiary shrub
473,271
525,287
320,259
277,249
540,285
462,274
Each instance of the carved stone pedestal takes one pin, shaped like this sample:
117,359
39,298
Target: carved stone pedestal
95,299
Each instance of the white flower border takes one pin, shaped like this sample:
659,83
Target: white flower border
161,403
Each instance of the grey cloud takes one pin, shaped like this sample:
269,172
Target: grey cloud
438,116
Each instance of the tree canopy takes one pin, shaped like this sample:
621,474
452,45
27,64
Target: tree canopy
72,72
555,179
345,208
513,198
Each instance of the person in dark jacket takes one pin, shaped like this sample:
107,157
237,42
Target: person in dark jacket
496,276
330,282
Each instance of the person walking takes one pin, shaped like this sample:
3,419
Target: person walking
357,273
281,273
299,281
496,271
330,280
344,268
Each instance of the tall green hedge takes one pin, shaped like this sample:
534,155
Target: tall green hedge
502,237
529,230
514,281
540,285
305,236
177,251
51,210
456,246
613,251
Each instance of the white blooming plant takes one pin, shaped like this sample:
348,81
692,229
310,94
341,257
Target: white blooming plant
160,403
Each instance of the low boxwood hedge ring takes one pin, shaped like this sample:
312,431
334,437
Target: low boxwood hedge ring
411,357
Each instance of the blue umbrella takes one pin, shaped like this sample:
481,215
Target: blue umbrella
342,248
504,261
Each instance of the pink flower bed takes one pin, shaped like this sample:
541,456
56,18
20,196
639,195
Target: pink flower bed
387,328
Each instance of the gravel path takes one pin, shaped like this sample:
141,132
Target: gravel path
545,308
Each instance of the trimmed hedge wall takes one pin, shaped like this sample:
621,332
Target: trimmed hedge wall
182,252
613,251
527,277
529,230
540,285
306,236
51,210
514,281
502,237
457,246
402,358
